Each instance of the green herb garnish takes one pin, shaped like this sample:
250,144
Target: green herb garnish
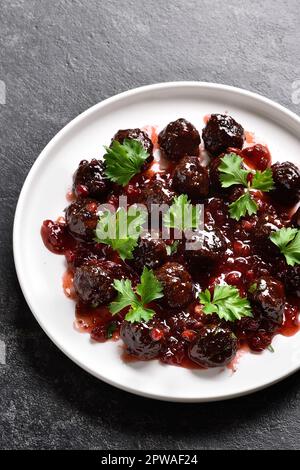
232,173
137,299
263,180
242,206
226,303
288,242
125,160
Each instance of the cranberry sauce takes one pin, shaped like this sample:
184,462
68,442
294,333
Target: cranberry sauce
238,253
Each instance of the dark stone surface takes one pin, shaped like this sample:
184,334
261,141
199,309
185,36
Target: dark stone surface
58,58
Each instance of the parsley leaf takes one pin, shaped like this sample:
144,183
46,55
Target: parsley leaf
150,287
226,303
242,206
125,298
231,171
120,230
125,160
138,313
288,242
148,290
263,180
182,215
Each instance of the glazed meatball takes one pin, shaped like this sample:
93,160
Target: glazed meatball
214,346
179,138
138,340
150,252
215,212
177,285
296,219
90,180
93,281
265,225
173,350
291,279
191,178
269,298
259,341
84,253
221,132
214,174
82,219
235,192
205,247
136,134
156,191
287,183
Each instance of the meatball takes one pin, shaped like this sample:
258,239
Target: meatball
84,253
89,180
205,247
156,191
191,178
150,252
179,138
235,192
296,219
287,183
138,340
136,134
173,351
221,132
214,346
268,297
246,326
265,225
214,174
259,341
291,279
82,219
215,212
93,281
177,285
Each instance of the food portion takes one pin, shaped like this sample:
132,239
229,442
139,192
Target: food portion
184,247
179,138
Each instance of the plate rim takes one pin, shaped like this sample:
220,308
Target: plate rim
30,176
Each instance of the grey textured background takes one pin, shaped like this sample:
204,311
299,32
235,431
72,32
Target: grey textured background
58,58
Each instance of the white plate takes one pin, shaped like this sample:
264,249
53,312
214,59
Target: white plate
43,197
